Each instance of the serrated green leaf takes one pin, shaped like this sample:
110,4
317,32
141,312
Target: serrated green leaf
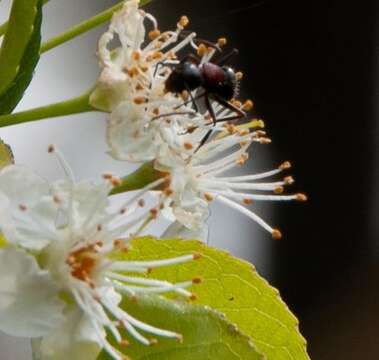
19,52
233,287
6,155
206,333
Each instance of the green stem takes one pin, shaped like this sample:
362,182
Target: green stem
76,105
83,27
4,26
140,178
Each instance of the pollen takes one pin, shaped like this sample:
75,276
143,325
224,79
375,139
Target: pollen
276,234
183,22
83,262
154,34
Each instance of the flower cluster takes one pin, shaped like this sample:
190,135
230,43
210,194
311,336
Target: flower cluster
58,280
194,144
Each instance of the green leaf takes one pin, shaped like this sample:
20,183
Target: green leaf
206,333
233,287
6,155
19,53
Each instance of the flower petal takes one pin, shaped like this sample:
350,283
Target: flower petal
74,339
29,303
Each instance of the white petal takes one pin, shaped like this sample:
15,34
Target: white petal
177,230
127,136
75,339
22,186
29,303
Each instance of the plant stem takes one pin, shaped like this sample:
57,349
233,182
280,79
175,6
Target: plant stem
4,26
75,105
83,27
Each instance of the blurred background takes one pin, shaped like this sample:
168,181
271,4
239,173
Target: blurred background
311,69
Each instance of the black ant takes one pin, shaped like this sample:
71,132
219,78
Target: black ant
219,82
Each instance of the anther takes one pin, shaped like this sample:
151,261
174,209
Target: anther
136,55
248,105
154,34
188,146
56,199
247,201
184,21
258,123
124,343
208,197
50,149
179,337
301,197
286,165
197,280
116,181
202,50
139,100
276,234
279,190
168,191
141,203
185,95
196,256
154,213
288,180
222,42
193,297
99,227
153,342
22,207
239,75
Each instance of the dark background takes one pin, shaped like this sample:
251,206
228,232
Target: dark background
310,68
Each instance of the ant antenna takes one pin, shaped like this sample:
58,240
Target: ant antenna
222,61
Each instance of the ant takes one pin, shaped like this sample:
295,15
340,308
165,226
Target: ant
219,82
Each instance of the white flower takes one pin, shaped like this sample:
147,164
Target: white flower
57,280
199,180
145,119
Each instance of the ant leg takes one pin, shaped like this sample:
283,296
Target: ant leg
162,63
214,120
239,113
204,139
172,114
223,60
197,97
198,41
194,103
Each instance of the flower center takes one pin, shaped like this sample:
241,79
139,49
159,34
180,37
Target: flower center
83,263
